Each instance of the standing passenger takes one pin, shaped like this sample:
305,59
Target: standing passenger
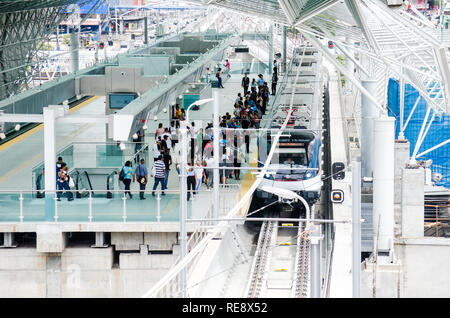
274,83
127,172
160,175
142,178
199,173
190,181
219,78
63,182
245,83
167,158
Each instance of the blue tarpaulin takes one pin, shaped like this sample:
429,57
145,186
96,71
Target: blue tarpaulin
438,132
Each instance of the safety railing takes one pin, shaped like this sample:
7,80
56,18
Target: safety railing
85,154
106,205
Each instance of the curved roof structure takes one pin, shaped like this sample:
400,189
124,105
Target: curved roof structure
393,40
23,25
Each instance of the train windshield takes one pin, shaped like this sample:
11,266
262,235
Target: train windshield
293,156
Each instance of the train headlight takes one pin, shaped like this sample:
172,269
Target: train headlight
308,175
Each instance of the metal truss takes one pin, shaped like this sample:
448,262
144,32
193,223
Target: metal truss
23,26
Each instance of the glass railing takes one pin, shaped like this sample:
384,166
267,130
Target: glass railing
88,155
111,205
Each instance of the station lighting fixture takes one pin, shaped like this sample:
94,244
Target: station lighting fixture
66,102
155,118
180,97
2,136
186,91
144,127
17,128
135,136
122,145
165,110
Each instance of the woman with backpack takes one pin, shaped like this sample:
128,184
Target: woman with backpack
125,175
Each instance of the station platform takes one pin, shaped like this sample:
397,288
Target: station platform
19,204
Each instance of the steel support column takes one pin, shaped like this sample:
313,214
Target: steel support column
383,182
369,112
49,162
74,50
316,281
270,41
356,227
216,155
183,203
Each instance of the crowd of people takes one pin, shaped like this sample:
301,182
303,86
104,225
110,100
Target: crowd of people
249,107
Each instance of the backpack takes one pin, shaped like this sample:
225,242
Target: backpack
121,175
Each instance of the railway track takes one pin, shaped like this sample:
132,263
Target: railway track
302,263
281,263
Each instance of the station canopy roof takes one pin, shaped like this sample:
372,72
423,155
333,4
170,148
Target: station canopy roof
395,41
23,5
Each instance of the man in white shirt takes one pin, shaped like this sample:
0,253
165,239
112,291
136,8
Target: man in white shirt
169,138
156,150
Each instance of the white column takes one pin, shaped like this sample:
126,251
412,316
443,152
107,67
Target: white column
383,181
270,48
356,228
316,281
49,162
401,135
74,43
216,147
183,203
369,112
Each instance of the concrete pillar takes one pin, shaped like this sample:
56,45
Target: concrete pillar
49,162
369,112
383,182
8,240
74,43
53,276
402,148
412,206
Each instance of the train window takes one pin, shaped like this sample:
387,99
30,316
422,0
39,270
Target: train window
297,157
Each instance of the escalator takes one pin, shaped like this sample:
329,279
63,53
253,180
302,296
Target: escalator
110,184
83,184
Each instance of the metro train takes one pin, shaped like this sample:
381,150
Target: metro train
296,163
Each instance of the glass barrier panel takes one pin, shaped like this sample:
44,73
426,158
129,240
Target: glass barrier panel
34,207
109,156
144,210
76,210
9,207
106,209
